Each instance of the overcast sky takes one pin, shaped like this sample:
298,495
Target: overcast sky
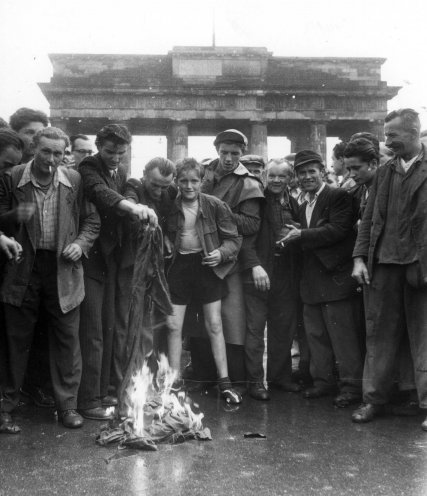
30,29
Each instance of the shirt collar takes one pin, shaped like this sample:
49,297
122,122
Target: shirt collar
316,196
59,176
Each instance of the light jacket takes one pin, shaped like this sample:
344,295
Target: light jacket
78,222
215,228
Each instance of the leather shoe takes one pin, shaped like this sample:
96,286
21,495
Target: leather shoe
70,419
367,412
7,425
258,392
39,397
347,399
287,387
424,425
317,392
109,401
97,413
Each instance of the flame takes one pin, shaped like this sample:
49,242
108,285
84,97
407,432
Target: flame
153,396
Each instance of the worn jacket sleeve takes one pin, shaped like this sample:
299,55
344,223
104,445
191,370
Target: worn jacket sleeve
95,188
7,216
89,225
361,247
131,190
336,227
231,240
248,220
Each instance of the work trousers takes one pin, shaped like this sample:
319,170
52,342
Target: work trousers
395,309
278,308
97,324
334,334
63,334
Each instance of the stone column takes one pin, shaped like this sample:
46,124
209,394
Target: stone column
258,141
377,129
298,134
318,138
177,140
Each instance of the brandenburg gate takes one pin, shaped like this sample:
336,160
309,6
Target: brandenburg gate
196,91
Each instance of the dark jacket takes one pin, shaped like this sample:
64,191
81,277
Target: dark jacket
135,191
266,248
327,246
243,193
215,227
372,225
105,193
78,222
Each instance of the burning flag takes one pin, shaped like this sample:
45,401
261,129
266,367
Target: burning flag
151,411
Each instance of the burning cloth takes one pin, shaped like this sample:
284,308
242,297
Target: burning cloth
152,412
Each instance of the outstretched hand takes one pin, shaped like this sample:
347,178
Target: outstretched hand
293,234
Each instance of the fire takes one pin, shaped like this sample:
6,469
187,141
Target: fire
153,398
156,413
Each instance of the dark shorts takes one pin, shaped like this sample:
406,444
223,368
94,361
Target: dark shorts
189,281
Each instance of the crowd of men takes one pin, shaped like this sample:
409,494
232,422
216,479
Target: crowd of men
335,261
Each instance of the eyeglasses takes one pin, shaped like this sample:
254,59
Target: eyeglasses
84,152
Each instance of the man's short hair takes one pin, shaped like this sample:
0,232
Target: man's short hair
409,117
338,149
53,133
188,164
75,137
3,123
8,137
369,136
24,116
166,167
363,149
116,133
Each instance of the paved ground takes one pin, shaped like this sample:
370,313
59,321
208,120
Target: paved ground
311,449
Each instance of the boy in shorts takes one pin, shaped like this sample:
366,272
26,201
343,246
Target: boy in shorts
205,245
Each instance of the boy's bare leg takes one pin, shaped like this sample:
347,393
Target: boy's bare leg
213,324
175,323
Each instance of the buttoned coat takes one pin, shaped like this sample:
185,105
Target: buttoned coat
327,245
372,225
78,222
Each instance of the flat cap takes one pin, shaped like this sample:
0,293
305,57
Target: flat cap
252,159
231,135
306,157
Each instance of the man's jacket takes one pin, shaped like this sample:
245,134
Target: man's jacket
327,245
78,222
372,225
215,228
243,193
266,247
105,192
